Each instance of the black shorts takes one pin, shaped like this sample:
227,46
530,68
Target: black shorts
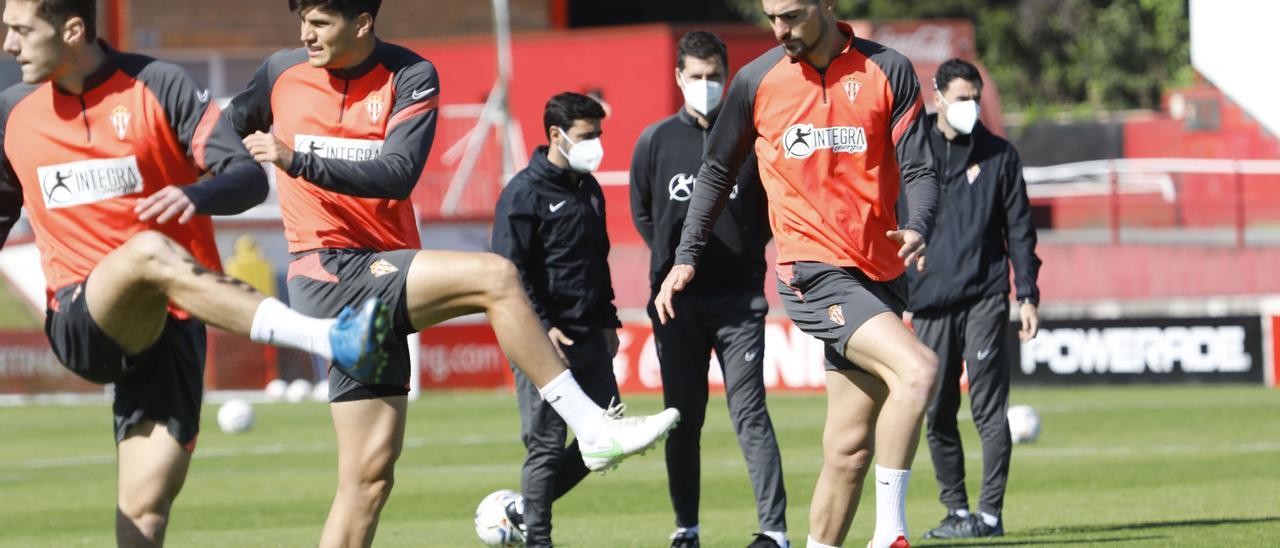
830,303
324,281
164,383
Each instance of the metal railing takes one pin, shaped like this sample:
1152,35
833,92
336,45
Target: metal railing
1160,200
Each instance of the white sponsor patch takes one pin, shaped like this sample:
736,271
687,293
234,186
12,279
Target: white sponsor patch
801,140
88,181
337,148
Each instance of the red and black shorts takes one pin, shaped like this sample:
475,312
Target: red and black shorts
164,383
831,303
324,281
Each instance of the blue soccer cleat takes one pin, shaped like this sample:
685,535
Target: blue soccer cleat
357,338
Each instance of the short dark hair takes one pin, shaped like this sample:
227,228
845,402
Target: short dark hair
956,68
701,44
349,9
565,108
57,12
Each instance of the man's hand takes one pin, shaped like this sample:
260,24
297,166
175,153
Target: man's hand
1030,321
611,341
264,147
558,340
912,250
166,203
676,280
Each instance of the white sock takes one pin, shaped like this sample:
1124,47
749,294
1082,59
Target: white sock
779,537
989,519
962,514
690,530
815,544
891,505
578,411
278,325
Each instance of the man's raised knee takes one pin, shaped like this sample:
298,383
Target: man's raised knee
152,252
501,277
918,375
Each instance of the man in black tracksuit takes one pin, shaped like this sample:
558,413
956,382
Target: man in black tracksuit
722,309
960,303
550,222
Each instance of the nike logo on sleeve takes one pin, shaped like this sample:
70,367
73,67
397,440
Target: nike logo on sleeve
422,93
556,207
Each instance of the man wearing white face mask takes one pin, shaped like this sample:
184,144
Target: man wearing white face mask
961,302
723,309
550,222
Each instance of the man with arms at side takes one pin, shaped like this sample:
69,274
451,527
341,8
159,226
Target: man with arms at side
723,309
836,123
127,246
549,222
960,305
352,120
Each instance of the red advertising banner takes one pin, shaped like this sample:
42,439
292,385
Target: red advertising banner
462,356
468,356
28,366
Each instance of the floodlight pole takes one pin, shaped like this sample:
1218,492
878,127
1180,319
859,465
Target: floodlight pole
502,32
495,114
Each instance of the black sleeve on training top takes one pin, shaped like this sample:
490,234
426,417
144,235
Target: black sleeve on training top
238,182
732,139
250,110
515,236
10,186
642,184
410,131
910,136
1020,232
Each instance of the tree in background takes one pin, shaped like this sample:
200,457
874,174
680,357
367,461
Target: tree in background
1053,56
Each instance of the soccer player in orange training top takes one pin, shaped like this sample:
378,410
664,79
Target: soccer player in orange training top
105,149
352,120
836,122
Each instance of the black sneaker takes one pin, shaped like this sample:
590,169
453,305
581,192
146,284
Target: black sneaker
981,529
952,526
684,539
763,541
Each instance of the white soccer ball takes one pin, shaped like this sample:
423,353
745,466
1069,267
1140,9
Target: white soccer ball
1024,424
298,390
275,389
235,416
499,519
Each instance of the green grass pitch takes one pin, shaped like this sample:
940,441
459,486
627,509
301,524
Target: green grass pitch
1136,466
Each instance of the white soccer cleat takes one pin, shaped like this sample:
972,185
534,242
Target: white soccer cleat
625,436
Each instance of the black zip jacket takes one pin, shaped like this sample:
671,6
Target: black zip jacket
664,168
983,223
553,230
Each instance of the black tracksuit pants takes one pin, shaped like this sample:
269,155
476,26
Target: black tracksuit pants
550,468
733,326
975,334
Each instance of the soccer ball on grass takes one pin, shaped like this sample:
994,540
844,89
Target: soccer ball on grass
499,519
235,416
1024,424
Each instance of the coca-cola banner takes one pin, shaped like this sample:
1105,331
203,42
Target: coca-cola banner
930,42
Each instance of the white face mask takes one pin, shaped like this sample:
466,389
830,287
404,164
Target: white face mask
962,115
702,95
585,155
